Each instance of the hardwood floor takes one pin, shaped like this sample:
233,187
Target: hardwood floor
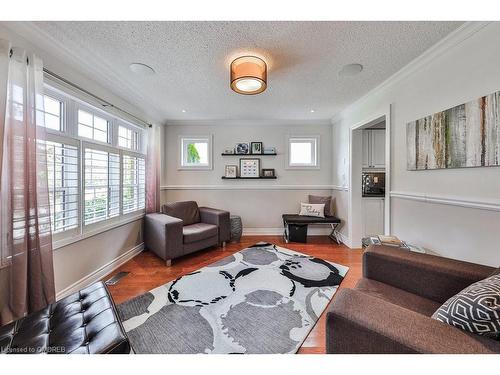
147,271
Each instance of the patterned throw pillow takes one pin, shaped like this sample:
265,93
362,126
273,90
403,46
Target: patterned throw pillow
475,309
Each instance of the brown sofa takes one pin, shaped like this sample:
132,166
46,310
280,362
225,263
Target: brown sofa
183,228
390,309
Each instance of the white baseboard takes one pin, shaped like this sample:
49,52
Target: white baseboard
279,231
101,272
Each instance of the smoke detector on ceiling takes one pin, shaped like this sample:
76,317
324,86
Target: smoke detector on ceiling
350,70
141,69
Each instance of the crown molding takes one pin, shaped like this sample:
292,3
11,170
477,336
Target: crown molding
257,122
452,40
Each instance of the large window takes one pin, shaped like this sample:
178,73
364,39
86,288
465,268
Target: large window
62,168
93,178
102,185
303,152
195,152
133,183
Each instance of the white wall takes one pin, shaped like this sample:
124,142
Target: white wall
462,67
75,265
260,203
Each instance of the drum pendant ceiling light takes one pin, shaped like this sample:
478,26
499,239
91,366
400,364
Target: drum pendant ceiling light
248,75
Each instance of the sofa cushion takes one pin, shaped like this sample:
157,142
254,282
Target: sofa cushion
199,231
475,309
186,211
496,272
397,296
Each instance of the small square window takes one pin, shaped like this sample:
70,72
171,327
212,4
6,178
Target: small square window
303,152
127,138
92,126
196,152
51,115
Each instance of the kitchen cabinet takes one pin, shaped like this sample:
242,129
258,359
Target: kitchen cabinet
373,216
374,148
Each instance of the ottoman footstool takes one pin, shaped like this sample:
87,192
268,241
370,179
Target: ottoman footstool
85,322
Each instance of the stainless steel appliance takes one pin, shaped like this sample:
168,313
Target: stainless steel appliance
373,184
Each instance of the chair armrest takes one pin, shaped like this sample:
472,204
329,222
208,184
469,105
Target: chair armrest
163,235
217,217
360,323
432,277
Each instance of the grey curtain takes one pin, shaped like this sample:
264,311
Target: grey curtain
26,264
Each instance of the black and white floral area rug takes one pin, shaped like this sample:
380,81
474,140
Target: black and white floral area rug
263,299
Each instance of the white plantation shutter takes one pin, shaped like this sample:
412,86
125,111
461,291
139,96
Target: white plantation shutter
133,183
102,185
62,170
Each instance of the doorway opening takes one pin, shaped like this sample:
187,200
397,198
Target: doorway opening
369,193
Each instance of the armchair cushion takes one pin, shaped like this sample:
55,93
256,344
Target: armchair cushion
432,277
187,211
198,232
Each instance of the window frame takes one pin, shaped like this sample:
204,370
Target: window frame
315,140
69,135
180,154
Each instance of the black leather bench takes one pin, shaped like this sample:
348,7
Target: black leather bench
291,219
85,322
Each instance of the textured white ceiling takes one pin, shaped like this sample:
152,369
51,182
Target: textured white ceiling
191,61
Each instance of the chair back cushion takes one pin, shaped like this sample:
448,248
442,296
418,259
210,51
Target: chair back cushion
186,211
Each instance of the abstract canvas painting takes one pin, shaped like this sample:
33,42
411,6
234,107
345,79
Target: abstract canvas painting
467,135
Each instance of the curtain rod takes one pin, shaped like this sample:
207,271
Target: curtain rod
104,103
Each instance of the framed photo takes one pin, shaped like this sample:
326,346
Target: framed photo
268,172
250,168
242,148
256,147
231,171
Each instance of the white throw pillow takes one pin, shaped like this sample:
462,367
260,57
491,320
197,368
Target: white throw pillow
311,209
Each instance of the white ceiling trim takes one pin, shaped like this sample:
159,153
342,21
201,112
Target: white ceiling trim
456,37
256,122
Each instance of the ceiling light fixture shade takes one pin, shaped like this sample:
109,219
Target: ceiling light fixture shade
248,75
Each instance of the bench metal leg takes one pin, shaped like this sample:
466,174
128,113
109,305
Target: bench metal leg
334,235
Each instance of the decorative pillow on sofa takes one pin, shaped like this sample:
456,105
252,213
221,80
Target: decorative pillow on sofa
308,209
475,309
327,201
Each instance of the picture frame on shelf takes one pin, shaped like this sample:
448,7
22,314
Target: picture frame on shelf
256,148
242,148
249,168
231,171
268,172
270,150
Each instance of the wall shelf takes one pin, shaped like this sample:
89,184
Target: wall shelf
223,154
250,178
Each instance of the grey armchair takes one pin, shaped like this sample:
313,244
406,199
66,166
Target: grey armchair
183,228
